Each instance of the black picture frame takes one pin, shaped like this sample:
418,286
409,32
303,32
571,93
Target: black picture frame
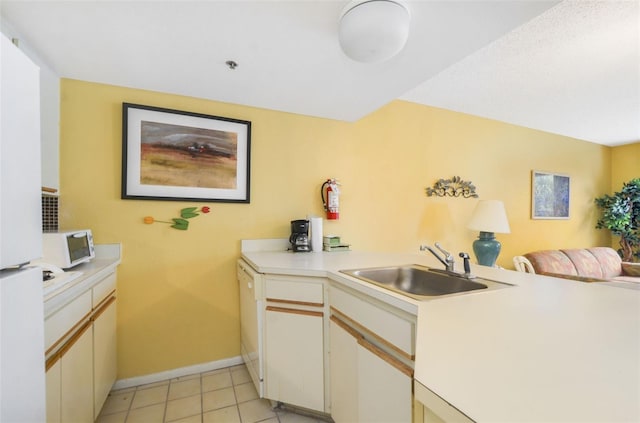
176,155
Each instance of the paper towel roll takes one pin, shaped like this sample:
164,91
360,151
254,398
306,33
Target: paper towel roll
316,234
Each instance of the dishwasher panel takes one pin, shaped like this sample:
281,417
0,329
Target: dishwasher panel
251,342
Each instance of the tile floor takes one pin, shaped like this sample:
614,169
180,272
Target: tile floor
224,395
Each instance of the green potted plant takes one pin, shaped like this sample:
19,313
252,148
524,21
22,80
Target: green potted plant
621,215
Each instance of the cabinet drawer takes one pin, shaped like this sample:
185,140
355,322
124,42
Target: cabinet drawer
56,326
103,288
298,290
381,323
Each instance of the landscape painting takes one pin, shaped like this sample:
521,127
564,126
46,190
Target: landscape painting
176,155
550,195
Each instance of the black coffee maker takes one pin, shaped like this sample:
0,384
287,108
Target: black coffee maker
299,238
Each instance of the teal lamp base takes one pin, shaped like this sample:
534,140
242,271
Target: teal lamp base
486,248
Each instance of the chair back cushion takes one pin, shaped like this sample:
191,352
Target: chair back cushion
609,260
586,263
551,261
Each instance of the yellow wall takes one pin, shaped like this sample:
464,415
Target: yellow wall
626,166
178,303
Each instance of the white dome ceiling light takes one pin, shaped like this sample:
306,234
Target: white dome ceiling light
375,30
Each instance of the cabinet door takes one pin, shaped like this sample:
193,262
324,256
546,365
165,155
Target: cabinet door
77,378
384,386
344,372
104,350
294,364
53,380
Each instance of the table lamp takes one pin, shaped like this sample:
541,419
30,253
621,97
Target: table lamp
488,217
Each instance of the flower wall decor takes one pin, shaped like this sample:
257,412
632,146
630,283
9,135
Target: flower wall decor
454,187
181,222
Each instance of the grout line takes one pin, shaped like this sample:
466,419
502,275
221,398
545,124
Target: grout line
166,402
201,400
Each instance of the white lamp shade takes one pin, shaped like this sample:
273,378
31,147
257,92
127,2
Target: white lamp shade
374,31
489,216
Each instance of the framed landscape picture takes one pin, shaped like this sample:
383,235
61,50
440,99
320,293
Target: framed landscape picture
549,195
182,156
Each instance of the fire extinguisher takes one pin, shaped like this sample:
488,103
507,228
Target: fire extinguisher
331,201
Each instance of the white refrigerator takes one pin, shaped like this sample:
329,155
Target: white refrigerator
22,373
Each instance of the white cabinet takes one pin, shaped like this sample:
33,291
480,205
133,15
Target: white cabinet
76,378
104,353
344,372
384,386
435,409
53,385
294,328
81,354
371,360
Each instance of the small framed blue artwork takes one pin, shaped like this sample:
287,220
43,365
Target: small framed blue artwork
550,194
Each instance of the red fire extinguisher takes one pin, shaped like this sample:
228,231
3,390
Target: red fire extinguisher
331,202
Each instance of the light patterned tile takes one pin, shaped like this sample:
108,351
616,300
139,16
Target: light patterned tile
149,396
245,392
255,411
216,381
117,402
184,407
191,419
237,367
124,390
216,371
119,417
150,414
220,398
184,388
290,417
222,415
240,376
154,384
186,377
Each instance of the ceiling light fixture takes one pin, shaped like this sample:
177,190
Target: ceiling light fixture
373,31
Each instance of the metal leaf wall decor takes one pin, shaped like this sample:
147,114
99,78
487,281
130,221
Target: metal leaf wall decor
454,187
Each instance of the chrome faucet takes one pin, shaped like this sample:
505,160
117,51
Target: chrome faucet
448,260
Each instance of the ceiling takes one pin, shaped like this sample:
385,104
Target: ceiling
568,67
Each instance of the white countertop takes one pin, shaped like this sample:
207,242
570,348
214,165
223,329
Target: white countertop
544,350
325,264
550,350
88,274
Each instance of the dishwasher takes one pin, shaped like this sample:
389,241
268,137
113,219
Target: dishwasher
251,323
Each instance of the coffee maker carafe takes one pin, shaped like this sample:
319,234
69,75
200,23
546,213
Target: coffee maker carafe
299,238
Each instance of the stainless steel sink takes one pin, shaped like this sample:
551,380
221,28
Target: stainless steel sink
419,281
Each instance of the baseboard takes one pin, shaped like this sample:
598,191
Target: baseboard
182,371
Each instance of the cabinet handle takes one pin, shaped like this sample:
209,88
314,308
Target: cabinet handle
343,317
101,310
394,362
67,346
294,302
351,331
294,311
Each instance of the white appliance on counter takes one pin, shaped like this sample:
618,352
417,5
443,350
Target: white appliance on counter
22,373
251,323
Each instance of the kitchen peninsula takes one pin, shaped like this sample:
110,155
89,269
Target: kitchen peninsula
543,349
